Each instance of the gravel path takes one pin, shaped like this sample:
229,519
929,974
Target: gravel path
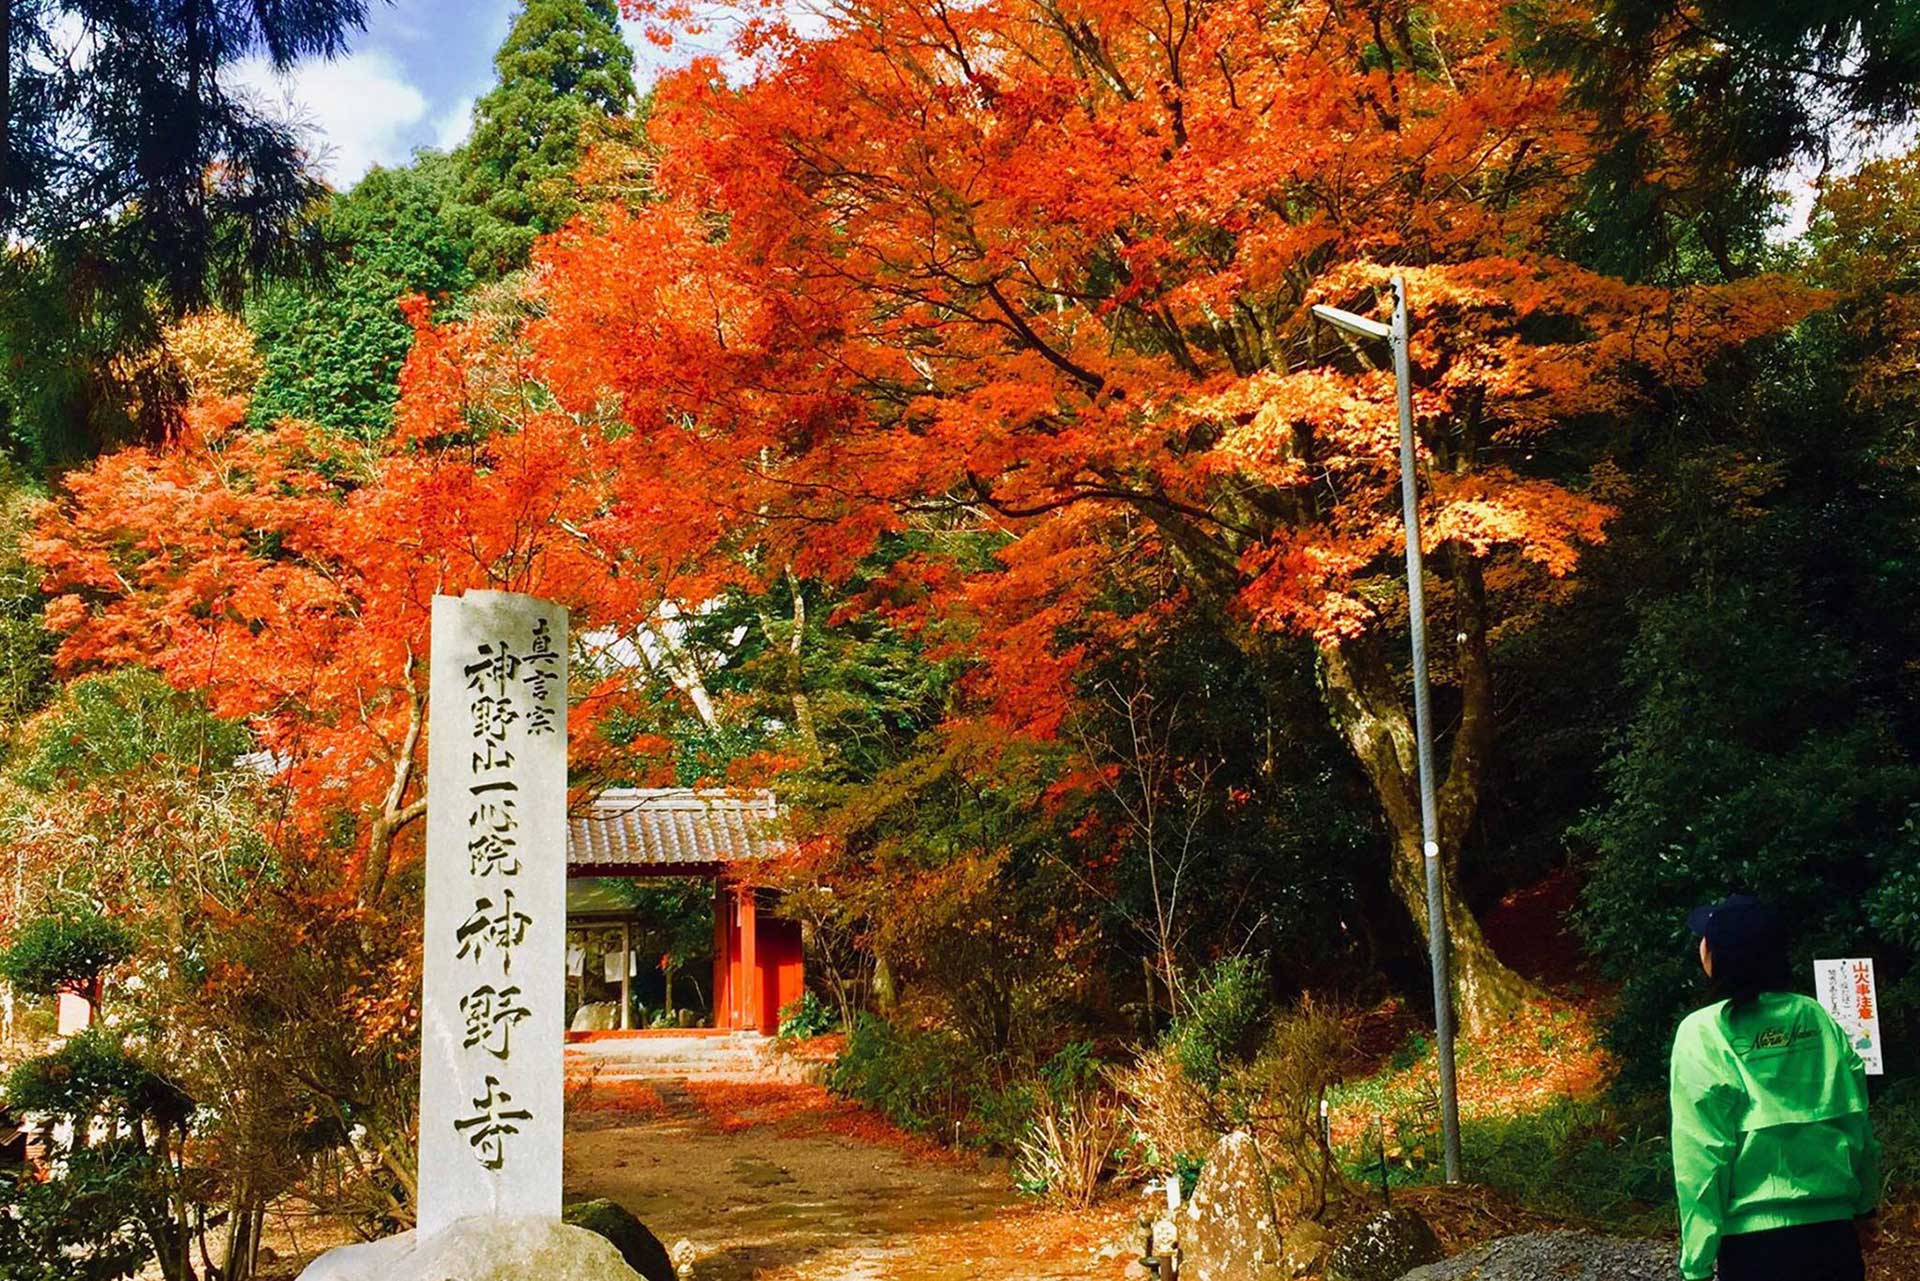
1557,1256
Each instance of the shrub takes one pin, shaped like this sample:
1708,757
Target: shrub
1896,1123
915,1077
64,953
83,1224
92,1076
1223,1023
804,1017
1277,1096
1174,1119
1075,1127
635,1242
1069,1145
1001,1115
1274,1094
110,1205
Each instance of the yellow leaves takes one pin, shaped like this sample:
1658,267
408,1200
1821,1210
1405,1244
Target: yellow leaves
214,351
1866,236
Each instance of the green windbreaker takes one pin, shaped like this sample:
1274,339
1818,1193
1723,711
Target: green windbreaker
1769,1124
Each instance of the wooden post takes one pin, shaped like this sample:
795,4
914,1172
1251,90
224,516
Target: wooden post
722,955
626,975
749,996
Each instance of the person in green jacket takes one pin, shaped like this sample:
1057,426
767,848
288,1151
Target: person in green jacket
1773,1157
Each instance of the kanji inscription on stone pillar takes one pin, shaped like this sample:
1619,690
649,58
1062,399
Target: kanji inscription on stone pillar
493,964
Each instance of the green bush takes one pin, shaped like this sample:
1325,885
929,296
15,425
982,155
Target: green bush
104,1211
804,1017
1000,1115
915,1077
927,1080
1073,1070
83,1224
636,1243
124,723
91,1076
64,953
1224,1022
1896,1123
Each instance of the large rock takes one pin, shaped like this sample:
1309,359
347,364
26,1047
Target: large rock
1228,1232
481,1249
1304,1248
1557,1256
1384,1247
639,1247
596,1016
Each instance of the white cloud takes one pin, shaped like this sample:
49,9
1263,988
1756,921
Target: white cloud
358,110
451,127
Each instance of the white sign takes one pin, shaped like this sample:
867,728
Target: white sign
493,965
1846,989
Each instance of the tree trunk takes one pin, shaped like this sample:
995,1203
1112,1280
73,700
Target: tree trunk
802,705
1367,710
243,1239
885,995
394,814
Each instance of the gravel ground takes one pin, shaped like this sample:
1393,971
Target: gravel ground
1557,1256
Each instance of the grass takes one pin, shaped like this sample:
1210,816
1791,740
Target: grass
1537,1125
1541,1128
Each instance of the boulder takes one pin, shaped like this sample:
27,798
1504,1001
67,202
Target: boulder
639,1247
596,1016
479,1249
1561,1256
1304,1248
1384,1247
1227,1231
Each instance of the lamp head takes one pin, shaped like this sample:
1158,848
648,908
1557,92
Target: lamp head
1351,323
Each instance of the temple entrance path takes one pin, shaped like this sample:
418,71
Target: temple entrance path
778,1181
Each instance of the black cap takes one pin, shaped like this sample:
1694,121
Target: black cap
1738,923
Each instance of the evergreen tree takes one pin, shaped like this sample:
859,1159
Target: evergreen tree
563,67
333,353
112,226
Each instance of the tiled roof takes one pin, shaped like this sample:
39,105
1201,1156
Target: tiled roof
674,826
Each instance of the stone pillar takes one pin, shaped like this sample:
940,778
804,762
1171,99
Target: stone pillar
494,957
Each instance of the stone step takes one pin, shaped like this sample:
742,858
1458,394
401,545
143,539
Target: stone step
641,1058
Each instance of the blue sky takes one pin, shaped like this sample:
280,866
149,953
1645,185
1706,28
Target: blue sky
411,77
408,81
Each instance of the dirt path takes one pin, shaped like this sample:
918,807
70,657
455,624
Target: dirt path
780,1182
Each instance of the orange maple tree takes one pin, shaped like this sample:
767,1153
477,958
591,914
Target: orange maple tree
1039,268
1044,268
290,573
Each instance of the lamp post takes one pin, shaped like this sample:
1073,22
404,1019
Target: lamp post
1395,334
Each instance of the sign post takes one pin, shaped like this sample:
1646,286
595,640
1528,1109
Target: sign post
493,964
1846,988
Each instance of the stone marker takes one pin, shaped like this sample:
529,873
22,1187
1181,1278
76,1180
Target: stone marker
1227,1231
494,958
480,1249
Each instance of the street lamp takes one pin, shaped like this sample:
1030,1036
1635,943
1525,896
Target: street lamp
1395,334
